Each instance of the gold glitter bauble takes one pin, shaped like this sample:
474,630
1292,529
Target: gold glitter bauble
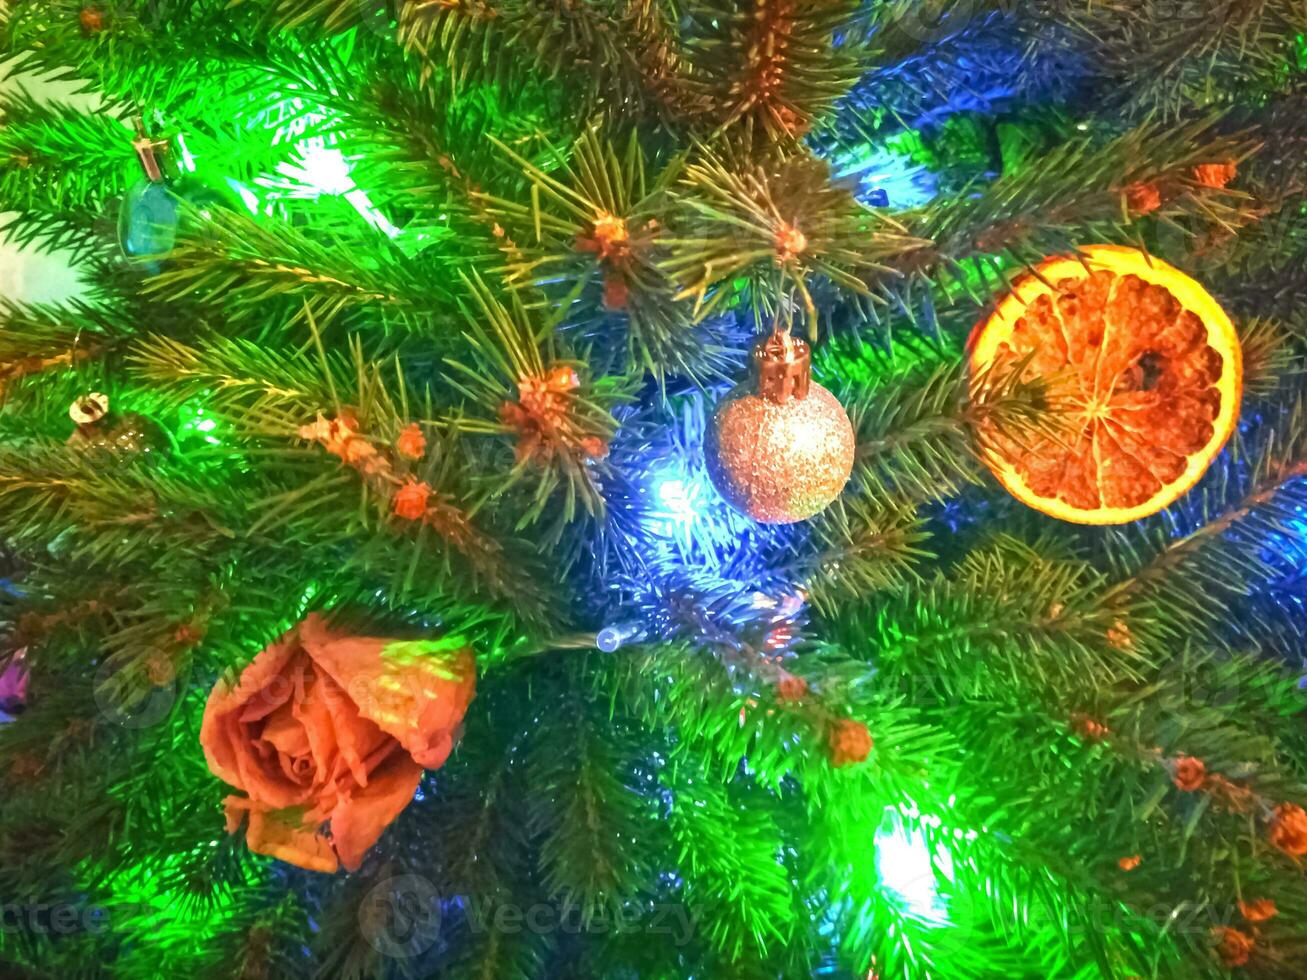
780,462
102,433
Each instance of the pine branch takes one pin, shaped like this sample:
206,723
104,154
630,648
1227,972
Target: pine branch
726,840
1005,618
59,158
273,397
931,60
1272,352
242,267
71,330
917,439
1077,194
34,340
778,221
495,955
771,67
109,517
861,553
590,812
532,390
1187,583
81,233
1192,49
265,390
621,50
593,227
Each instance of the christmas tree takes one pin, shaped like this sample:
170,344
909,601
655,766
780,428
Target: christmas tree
655,489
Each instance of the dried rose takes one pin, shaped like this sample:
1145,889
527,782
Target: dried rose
326,728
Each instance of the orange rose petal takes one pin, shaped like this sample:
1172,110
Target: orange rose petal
285,732
227,701
443,715
258,771
219,749
347,738
436,751
299,771
265,703
358,822
286,686
264,780
314,717
235,808
258,768
269,834
267,670
418,692
333,720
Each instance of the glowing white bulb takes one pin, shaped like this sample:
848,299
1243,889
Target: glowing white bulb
678,498
907,869
323,168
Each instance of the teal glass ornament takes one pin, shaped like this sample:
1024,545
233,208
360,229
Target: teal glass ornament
148,220
163,205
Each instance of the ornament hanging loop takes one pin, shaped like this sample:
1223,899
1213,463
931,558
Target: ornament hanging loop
89,409
782,367
149,151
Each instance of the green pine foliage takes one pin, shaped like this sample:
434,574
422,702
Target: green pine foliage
447,213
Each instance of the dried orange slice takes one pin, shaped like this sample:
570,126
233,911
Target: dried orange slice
1146,362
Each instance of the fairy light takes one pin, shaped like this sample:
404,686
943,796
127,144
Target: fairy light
679,499
616,635
907,868
185,157
247,196
319,170
886,179
324,170
194,420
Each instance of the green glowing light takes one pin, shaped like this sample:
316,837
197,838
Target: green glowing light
908,870
147,892
321,169
195,424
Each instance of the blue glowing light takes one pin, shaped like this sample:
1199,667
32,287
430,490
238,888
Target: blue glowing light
678,501
886,179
